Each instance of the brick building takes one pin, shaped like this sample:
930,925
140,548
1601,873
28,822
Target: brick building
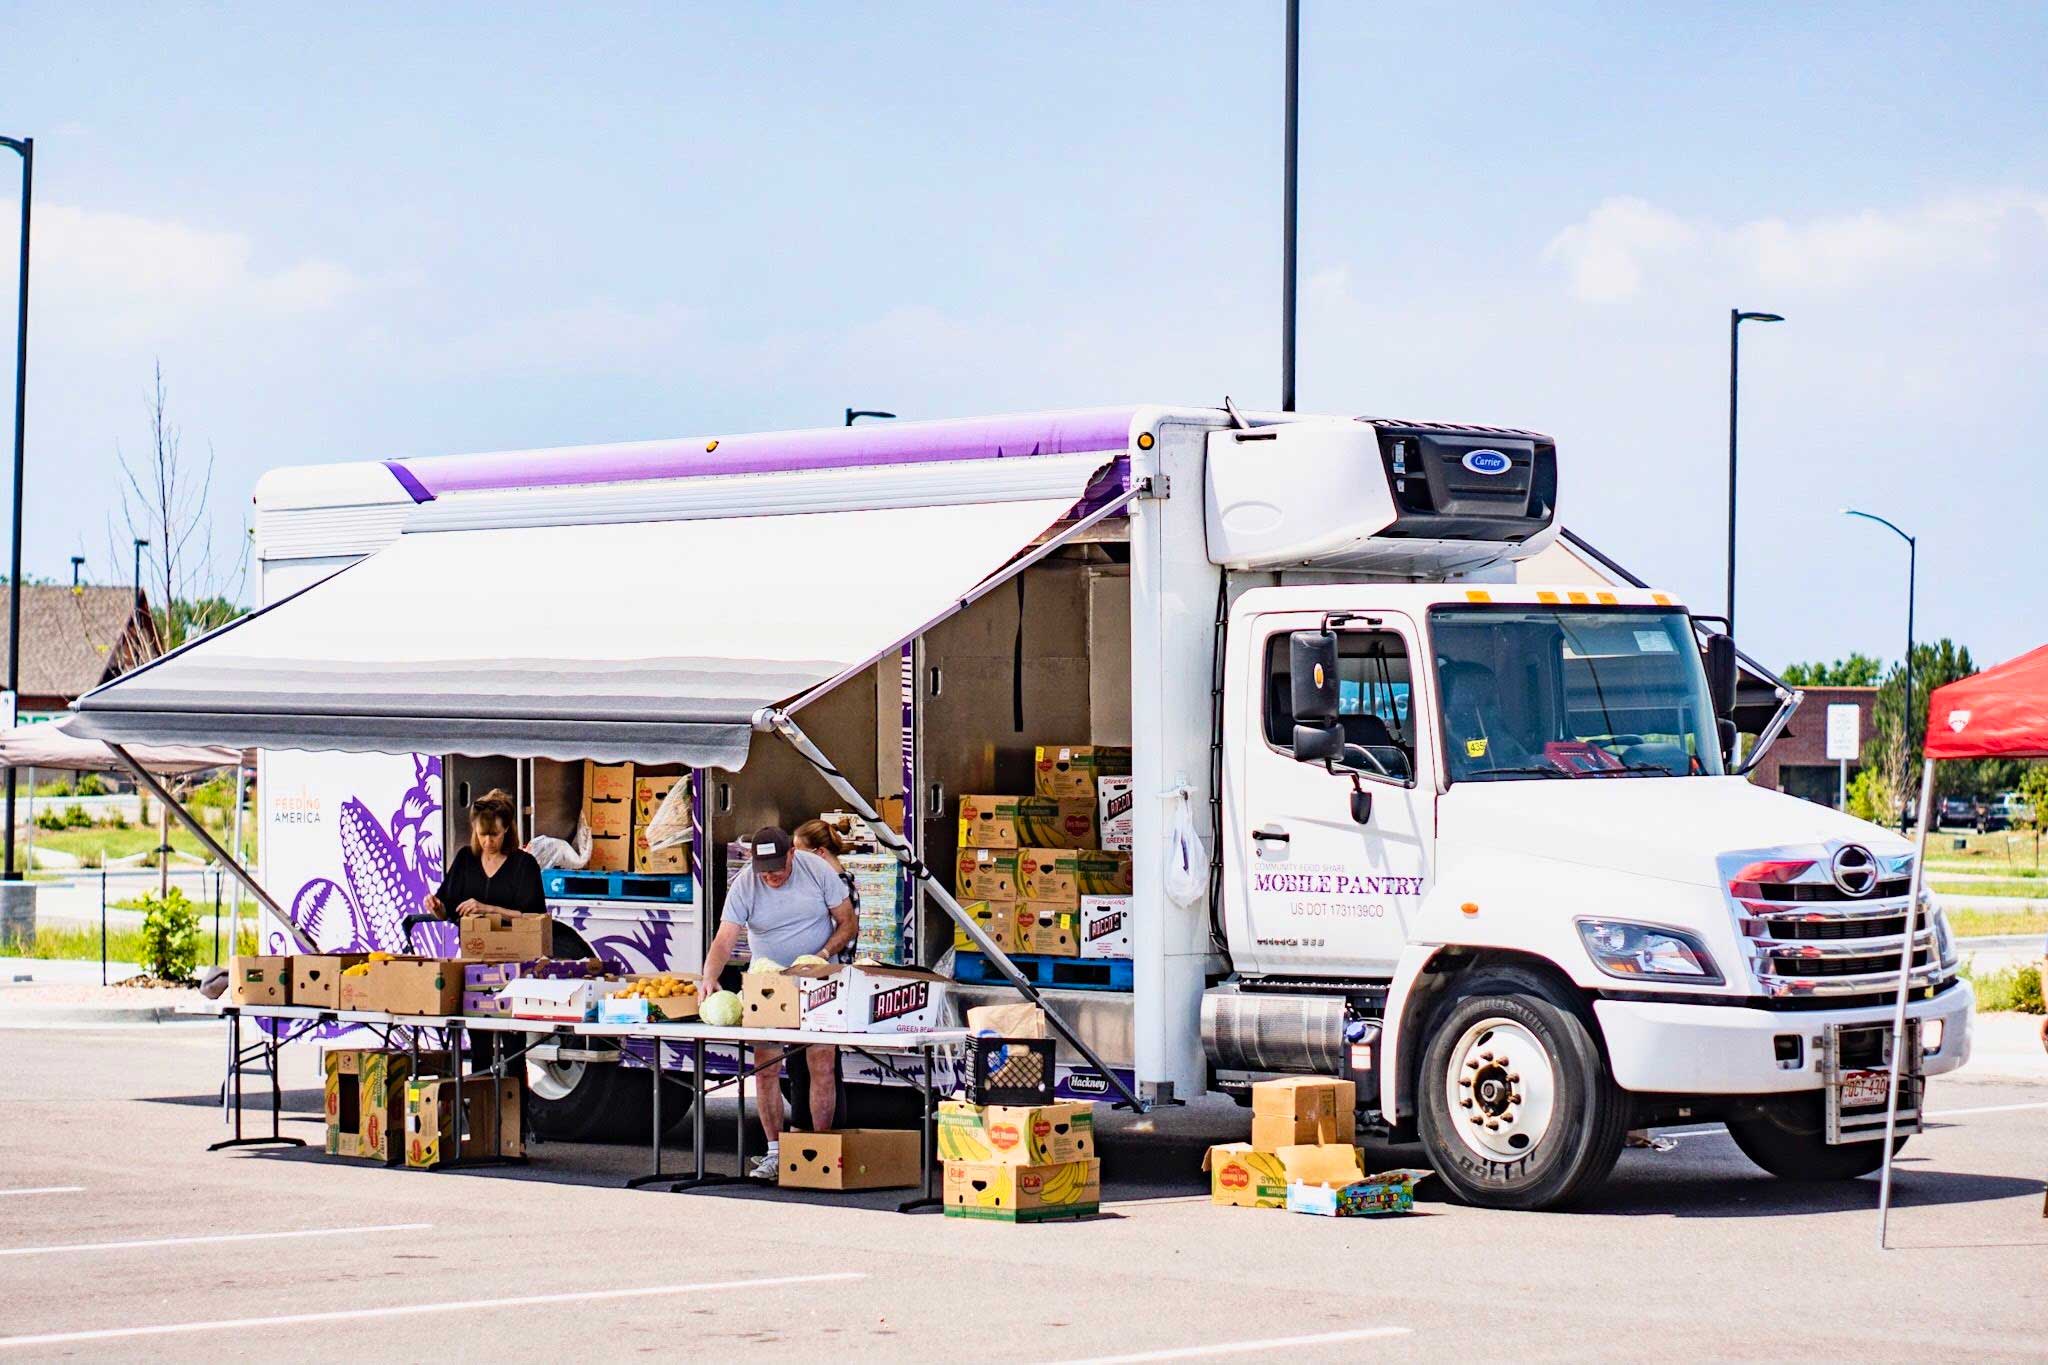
1798,763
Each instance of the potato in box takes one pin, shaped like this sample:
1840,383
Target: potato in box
1023,1194
260,980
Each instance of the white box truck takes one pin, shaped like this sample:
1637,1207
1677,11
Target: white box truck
1482,845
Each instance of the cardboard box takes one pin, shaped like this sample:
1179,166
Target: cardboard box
405,985
1065,875
986,874
1071,770
1048,930
610,853
1105,926
488,976
1387,1192
1298,1109
674,859
1021,1020
454,1119
612,819
851,1159
489,1004
605,782
770,1000
1242,1175
259,980
365,1099
491,936
872,999
1114,812
998,921
316,977
1017,1135
1023,1194
890,808
660,1009
1026,822
556,999
648,794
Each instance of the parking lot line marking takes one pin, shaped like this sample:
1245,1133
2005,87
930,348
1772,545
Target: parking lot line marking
217,1237
414,1309
1232,1348
47,1189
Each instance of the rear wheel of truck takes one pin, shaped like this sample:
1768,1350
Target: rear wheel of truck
1788,1137
1517,1109
571,1100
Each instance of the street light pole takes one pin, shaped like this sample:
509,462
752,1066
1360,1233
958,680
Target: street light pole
1736,317
1287,210
140,546
1912,573
26,146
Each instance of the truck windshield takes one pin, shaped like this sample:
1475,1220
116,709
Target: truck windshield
1530,693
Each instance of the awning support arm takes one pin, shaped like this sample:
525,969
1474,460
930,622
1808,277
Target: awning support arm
241,874
894,842
984,588
1891,1092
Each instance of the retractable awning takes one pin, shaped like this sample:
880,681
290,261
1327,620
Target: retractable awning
657,641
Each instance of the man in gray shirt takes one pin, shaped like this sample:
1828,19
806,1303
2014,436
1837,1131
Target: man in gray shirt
791,903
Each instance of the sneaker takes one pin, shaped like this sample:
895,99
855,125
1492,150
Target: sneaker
765,1166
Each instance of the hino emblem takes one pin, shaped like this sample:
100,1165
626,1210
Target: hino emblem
1854,870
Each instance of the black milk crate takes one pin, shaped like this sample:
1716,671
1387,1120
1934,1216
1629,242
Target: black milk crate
1009,1071
569,884
1063,973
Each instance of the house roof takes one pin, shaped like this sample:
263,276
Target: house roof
74,639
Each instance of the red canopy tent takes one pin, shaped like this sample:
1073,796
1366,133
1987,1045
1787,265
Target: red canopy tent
1999,713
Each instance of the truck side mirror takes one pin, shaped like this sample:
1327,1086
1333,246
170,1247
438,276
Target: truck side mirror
1312,671
1721,674
1361,804
1318,744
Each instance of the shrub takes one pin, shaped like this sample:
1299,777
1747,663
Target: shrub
2016,988
49,819
76,818
170,936
92,784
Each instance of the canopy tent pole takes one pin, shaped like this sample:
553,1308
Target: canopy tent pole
1891,1101
211,845
894,842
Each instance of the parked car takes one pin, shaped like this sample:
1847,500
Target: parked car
2009,811
1958,812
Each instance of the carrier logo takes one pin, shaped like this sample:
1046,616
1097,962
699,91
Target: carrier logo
1487,462
1088,1083
1854,870
898,1001
1105,925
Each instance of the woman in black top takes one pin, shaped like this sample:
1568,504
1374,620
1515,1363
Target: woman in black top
492,873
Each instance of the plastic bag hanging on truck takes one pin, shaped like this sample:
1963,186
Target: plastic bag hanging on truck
1187,864
549,851
673,822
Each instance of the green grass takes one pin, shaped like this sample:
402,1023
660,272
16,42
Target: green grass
66,943
2016,988
1985,923
2010,887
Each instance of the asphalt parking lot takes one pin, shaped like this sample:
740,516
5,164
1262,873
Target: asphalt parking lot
121,1236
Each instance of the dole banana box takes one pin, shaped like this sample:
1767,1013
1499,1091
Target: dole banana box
986,874
260,980
1241,1175
1017,1135
1047,930
1064,875
1070,770
1023,1194
1303,1109
1026,822
1106,926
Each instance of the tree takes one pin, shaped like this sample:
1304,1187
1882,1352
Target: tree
1896,772
1858,670
164,500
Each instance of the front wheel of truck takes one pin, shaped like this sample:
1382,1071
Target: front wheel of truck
1517,1109
1788,1137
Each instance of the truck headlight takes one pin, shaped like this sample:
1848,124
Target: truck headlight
1647,952
1944,944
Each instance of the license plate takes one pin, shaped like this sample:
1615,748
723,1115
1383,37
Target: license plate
1865,1087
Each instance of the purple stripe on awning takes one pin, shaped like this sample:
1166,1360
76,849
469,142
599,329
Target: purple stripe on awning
880,443
413,487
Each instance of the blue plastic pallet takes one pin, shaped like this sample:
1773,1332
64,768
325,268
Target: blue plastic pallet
1063,973
619,886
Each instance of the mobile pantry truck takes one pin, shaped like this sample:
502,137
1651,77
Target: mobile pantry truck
1480,845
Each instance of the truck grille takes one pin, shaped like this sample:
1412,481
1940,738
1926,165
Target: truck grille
1809,933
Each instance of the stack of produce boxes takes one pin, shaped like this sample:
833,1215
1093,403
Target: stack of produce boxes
1042,873
878,877
1304,1155
648,794
608,810
1019,1163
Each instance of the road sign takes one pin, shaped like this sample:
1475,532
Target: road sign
1844,732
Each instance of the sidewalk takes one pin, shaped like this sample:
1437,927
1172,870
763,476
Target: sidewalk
41,993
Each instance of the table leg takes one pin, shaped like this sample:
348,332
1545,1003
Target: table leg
655,1177
702,1177
927,1200
234,1085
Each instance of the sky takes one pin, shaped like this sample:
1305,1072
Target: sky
352,233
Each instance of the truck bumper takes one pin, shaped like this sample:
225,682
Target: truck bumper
1713,1050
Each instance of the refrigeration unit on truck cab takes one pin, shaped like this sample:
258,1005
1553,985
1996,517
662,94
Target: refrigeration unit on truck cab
1481,844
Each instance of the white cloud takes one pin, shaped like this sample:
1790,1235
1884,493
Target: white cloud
1615,250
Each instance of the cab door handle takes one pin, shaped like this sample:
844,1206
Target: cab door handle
1271,832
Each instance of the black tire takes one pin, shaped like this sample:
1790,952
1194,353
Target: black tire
597,1101
1573,1150
1788,1138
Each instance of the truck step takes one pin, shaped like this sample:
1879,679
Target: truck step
619,886
1066,973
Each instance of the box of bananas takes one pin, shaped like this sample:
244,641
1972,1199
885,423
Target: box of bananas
650,999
